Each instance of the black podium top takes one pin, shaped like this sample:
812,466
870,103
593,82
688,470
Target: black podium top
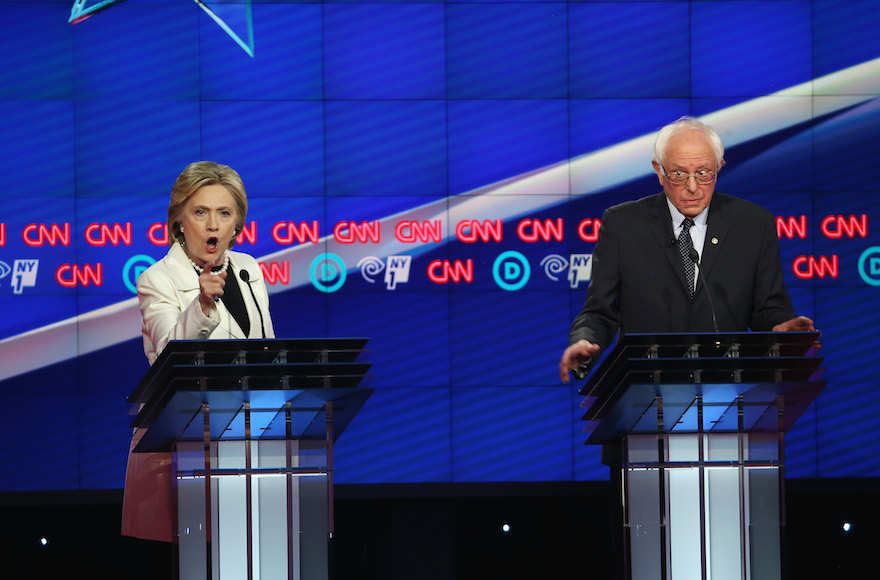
269,375
733,380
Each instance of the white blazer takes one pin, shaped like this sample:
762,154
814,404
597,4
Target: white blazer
168,293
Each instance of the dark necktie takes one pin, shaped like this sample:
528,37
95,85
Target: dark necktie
684,247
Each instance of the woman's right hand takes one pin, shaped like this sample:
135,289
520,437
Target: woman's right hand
210,287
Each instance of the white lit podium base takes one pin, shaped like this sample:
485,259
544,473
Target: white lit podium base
268,518
703,507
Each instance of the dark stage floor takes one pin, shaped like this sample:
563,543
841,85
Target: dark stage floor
442,532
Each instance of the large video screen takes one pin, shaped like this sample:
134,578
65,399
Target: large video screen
432,176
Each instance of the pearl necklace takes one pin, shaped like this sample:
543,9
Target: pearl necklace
200,269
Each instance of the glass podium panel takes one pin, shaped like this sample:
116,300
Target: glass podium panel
271,517
701,501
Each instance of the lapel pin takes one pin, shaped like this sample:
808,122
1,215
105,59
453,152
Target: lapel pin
715,241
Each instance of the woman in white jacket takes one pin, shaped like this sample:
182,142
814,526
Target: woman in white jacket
197,291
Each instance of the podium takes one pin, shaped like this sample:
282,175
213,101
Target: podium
251,426
695,424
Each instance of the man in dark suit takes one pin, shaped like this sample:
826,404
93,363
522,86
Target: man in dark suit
640,280
645,266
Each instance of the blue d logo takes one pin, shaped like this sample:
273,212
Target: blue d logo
511,271
327,272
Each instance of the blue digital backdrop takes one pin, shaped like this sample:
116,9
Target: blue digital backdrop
429,175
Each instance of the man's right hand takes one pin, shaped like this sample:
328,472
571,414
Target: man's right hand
574,356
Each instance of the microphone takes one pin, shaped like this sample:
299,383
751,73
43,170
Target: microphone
246,278
695,258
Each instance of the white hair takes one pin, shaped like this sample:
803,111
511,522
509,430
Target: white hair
684,125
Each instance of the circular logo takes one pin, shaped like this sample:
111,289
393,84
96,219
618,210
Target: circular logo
869,266
133,268
553,265
511,270
371,266
327,272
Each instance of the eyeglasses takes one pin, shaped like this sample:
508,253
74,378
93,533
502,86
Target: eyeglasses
702,176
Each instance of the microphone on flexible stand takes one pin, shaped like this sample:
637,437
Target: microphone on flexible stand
695,258
246,278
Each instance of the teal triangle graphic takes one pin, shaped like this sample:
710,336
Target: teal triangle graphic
235,18
82,9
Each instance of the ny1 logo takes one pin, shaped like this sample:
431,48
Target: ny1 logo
396,270
24,274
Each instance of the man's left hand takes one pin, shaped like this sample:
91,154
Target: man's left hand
799,324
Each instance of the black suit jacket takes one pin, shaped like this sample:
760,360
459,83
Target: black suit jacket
638,282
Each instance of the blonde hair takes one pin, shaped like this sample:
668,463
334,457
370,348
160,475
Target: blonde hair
194,177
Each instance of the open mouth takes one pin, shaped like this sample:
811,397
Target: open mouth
211,244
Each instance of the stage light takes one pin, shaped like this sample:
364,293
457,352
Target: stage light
847,526
44,541
505,528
